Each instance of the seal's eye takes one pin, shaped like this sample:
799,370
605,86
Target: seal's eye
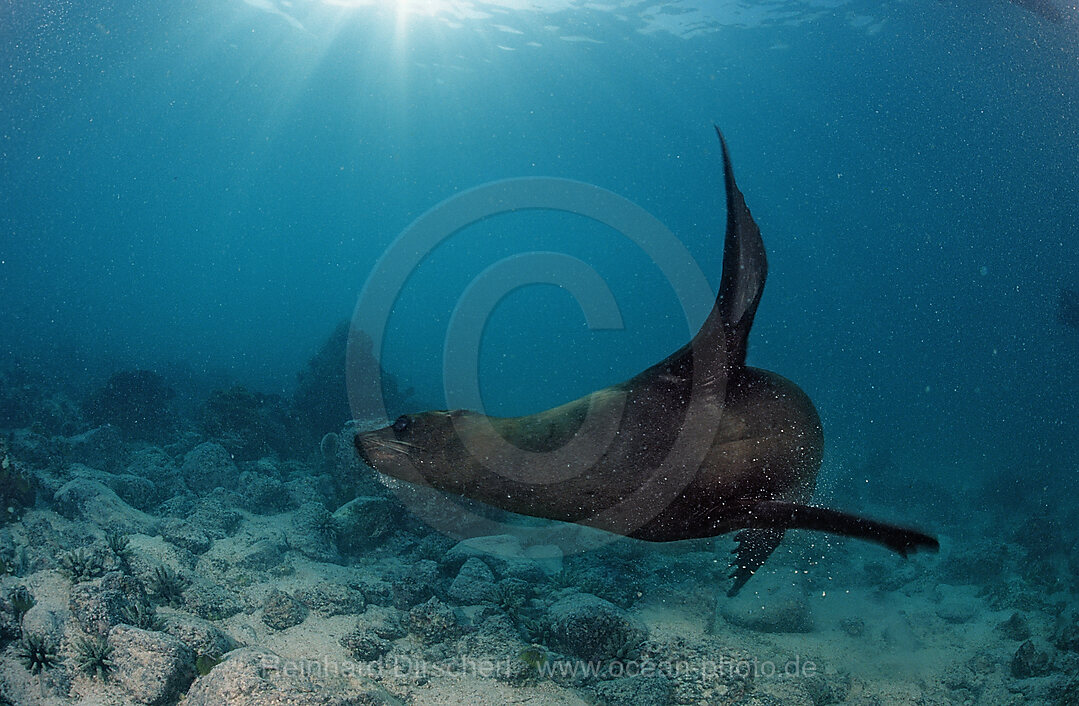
402,424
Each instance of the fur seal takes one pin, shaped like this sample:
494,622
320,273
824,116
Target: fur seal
698,445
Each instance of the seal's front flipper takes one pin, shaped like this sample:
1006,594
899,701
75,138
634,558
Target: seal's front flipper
773,514
745,268
754,548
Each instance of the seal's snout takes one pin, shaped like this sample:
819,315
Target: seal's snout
357,441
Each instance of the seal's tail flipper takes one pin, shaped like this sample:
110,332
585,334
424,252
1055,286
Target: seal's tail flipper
776,514
754,547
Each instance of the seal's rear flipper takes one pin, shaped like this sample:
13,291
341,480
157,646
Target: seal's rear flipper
773,514
754,547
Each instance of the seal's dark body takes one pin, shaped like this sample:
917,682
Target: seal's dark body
698,445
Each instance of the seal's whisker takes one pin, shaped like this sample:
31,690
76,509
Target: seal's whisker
402,447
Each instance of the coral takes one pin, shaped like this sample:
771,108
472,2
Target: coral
31,399
167,586
511,595
141,614
21,601
80,565
136,402
120,546
249,424
321,400
36,653
16,486
93,656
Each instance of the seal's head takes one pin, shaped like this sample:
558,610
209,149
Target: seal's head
412,444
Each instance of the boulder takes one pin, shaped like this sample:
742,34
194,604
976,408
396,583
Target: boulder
589,627
207,466
83,499
151,667
258,677
362,522
475,584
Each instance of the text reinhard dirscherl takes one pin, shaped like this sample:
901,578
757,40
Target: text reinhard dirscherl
514,667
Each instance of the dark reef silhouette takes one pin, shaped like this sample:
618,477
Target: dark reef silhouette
1068,308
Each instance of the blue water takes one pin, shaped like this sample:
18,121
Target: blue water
211,183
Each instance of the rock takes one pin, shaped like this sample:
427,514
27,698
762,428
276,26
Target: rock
778,609
1069,694
201,636
433,546
502,553
589,627
1015,628
1066,633
350,476
362,522
385,622
211,601
264,495
853,626
328,599
417,586
434,622
244,552
45,621
496,643
153,464
977,564
375,589
957,609
364,645
209,466
317,488
82,499
101,448
134,490
475,584
782,692
258,677
260,555
282,611
638,690
96,608
827,689
1032,659
311,533
185,535
152,667
37,450
215,516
